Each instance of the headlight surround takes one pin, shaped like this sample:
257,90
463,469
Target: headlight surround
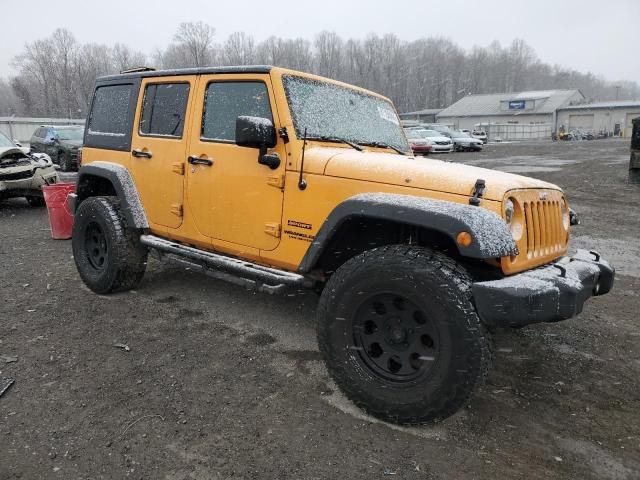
514,217
564,207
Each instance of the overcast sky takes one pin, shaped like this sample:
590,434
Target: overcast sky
602,37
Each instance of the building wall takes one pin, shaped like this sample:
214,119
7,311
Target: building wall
21,128
603,119
470,122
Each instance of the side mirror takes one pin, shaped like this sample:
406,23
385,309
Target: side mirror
257,132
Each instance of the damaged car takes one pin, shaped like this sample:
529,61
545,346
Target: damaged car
23,174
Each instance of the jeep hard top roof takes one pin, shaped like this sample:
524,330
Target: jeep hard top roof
188,71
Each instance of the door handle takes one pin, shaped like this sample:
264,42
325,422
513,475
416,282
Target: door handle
193,160
141,153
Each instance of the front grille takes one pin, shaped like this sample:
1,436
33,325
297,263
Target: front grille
545,234
443,143
17,175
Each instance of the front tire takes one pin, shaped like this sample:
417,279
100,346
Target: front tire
400,335
108,255
35,201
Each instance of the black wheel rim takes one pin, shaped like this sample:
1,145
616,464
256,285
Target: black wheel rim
96,247
395,339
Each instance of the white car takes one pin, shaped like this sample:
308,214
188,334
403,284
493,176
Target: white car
23,174
439,142
464,142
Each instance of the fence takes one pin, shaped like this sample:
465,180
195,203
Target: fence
21,128
516,131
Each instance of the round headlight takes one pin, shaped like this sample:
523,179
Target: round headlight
514,218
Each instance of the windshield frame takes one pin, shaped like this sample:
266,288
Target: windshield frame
10,145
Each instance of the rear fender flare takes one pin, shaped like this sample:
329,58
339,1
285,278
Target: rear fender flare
123,184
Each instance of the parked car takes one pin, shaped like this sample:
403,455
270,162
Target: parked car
439,143
464,142
415,260
480,135
419,144
61,143
22,174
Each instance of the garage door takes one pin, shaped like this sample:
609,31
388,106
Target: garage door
628,126
583,122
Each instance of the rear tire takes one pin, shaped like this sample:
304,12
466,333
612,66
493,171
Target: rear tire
108,255
65,161
400,335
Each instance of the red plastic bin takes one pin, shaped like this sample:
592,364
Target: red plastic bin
60,218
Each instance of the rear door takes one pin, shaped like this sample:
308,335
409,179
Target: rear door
159,145
233,198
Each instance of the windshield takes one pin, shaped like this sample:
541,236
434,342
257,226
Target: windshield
5,142
70,133
326,110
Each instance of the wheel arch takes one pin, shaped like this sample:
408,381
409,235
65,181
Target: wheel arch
110,179
395,218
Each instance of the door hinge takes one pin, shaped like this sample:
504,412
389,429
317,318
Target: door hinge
176,209
272,229
178,168
276,180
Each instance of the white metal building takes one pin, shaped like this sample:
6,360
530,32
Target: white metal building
21,128
614,117
518,108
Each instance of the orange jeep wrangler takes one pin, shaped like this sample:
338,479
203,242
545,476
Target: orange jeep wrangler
276,179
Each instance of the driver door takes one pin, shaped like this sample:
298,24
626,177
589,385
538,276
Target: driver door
234,200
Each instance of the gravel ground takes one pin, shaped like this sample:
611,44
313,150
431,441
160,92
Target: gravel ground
218,382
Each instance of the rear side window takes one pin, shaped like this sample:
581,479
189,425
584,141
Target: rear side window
109,113
163,109
111,117
226,101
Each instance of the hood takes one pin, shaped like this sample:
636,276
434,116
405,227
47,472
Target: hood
427,174
13,152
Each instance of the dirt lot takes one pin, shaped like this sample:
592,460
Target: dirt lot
221,383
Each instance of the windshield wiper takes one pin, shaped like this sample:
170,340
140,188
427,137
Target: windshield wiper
325,138
384,145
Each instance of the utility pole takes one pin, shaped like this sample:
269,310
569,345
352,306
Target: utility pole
617,87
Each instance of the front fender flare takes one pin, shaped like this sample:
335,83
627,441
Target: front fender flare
123,184
491,236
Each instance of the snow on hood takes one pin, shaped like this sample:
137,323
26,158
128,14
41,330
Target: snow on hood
5,152
428,174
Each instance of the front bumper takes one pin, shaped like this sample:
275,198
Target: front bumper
547,294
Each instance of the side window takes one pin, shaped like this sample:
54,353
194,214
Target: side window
163,109
226,101
110,110
40,133
110,120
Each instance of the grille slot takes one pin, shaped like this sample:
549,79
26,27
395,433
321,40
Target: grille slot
543,220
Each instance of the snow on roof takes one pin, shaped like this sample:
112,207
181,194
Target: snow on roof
607,104
547,101
426,111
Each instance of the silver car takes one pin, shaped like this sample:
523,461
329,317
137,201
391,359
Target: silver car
23,174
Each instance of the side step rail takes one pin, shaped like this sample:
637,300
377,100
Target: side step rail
240,272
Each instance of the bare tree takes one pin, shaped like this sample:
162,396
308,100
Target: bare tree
238,49
196,38
56,74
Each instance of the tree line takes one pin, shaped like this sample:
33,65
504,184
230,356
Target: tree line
56,74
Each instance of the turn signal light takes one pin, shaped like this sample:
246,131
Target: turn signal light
464,239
